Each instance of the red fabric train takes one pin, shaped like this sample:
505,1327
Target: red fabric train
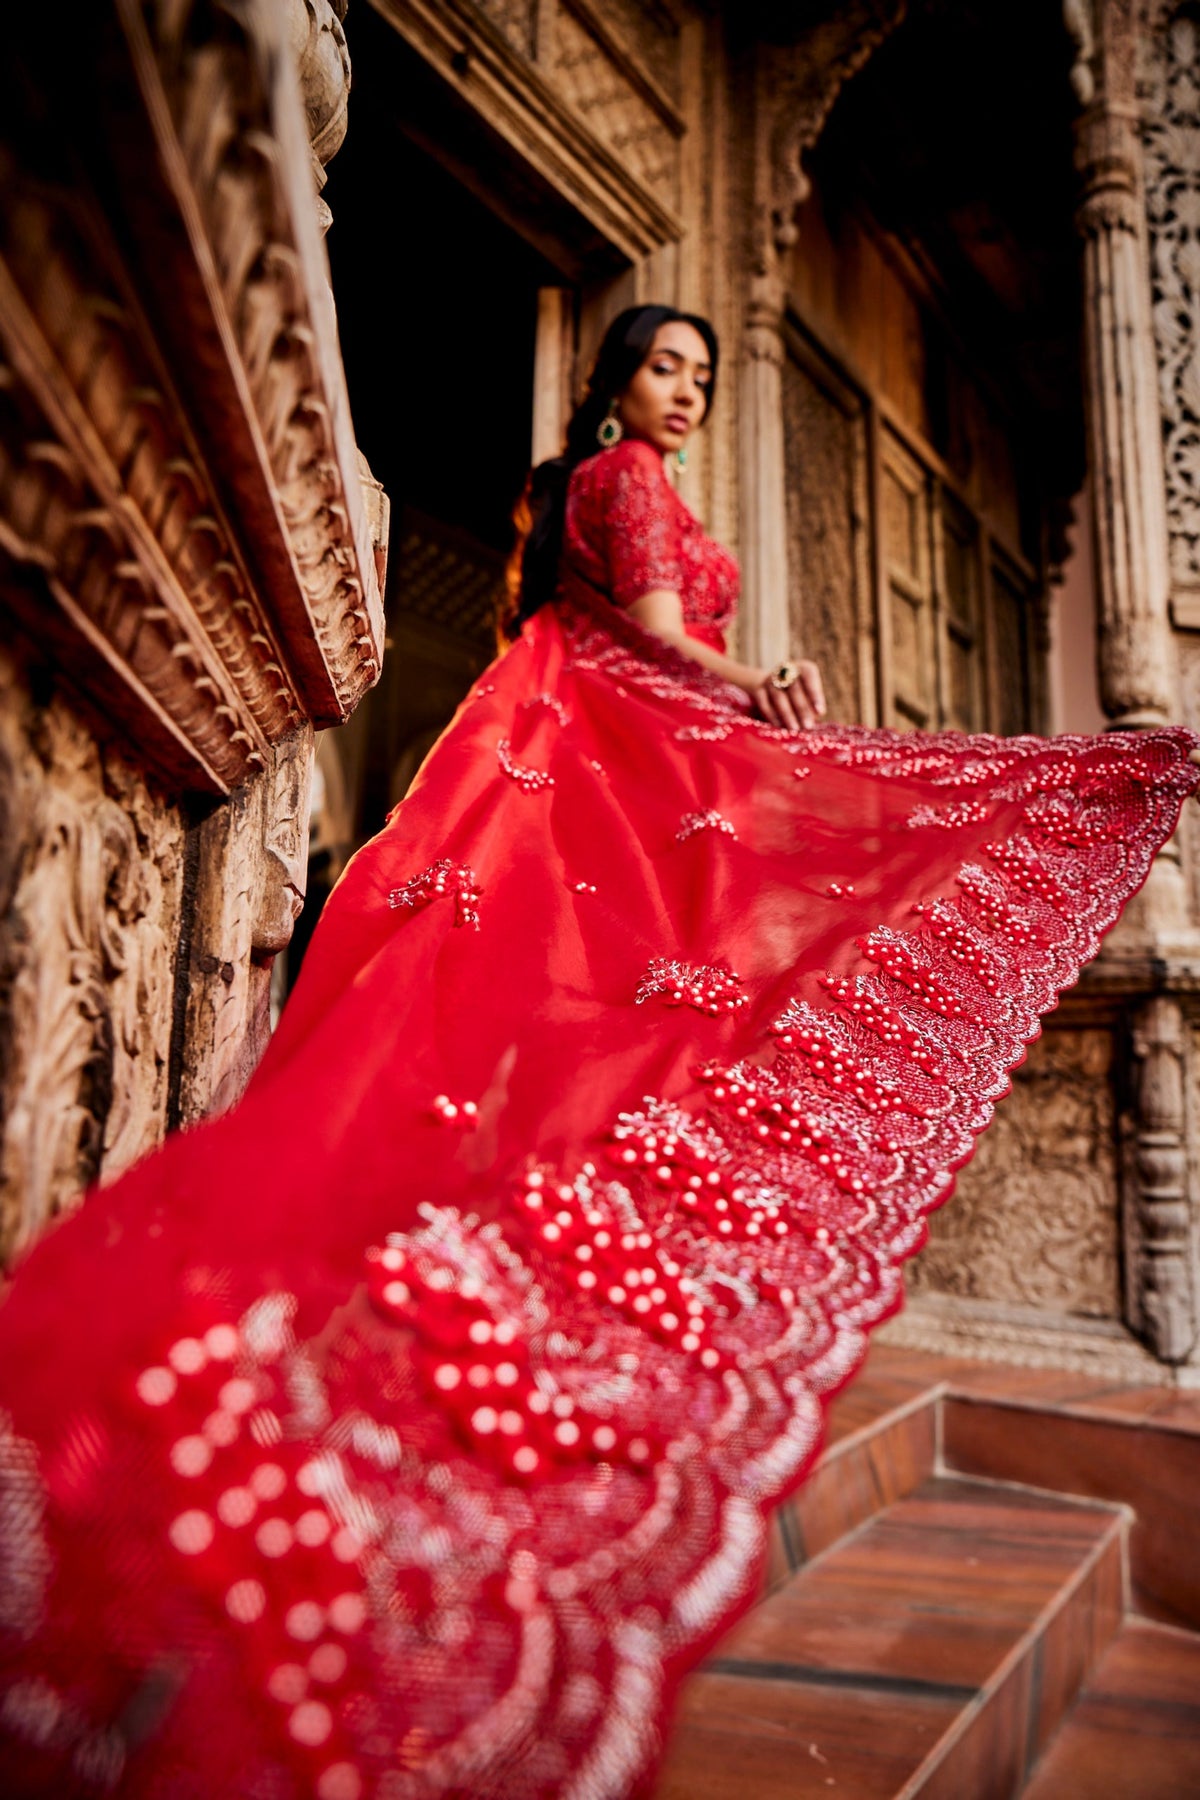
409,1431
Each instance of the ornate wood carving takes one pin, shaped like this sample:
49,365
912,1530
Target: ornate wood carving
523,103
794,88
322,63
105,499
827,541
253,852
1171,145
234,154
179,495
1160,1248
803,83
1125,451
1034,1216
183,535
90,893
588,74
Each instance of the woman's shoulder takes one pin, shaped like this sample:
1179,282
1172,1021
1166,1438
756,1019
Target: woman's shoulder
631,457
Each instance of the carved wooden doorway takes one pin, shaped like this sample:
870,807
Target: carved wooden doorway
460,287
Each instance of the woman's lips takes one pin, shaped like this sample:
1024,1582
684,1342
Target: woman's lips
676,422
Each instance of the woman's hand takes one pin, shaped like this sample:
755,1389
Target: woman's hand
798,706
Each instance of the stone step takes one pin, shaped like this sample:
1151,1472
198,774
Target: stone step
932,1651
877,1453
1134,1731
1147,1463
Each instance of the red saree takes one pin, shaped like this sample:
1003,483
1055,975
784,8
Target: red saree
408,1431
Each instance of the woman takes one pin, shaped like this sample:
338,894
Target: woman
411,1429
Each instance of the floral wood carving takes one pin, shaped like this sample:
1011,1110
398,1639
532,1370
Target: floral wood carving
181,491
90,882
253,862
801,85
1035,1215
104,490
1171,143
236,154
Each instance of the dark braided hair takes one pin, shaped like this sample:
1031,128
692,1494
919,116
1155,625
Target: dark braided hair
541,511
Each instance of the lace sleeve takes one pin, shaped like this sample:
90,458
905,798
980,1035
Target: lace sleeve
640,525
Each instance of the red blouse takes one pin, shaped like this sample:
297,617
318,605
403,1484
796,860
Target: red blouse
628,532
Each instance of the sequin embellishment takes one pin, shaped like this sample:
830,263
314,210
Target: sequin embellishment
551,702
440,879
693,822
530,781
709,987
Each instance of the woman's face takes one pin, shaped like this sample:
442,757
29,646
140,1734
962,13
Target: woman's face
668,396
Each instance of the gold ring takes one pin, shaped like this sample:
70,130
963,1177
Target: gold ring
784,675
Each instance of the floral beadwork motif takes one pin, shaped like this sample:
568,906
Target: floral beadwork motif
692,822
530,781
462,1114
708,987
439,881
552,704
948,818
627,531
703,734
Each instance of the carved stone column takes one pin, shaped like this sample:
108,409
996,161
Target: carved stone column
323,65
1159,1252
253,854
1135,658
764,522
322,59
794,86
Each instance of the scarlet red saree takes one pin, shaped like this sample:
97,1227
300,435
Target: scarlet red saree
408,1431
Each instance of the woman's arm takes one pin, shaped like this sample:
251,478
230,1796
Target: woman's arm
797,707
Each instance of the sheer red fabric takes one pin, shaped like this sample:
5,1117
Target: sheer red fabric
409,1430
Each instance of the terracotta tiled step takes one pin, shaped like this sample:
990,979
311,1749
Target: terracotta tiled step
1143,1461
933,1652
1134,1732
865,1468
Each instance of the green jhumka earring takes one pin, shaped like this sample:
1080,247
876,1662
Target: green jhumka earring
681,457
610,430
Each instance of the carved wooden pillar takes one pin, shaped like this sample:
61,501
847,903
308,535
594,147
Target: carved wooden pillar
1159,1249
764,499
251,857
1135,655
794,86
322,59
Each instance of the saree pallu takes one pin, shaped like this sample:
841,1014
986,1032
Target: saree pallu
411,1429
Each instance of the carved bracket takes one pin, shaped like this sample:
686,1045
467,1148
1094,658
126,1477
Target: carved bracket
797,88
180,505
252,857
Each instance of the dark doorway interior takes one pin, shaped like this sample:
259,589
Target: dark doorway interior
437,313
437,308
